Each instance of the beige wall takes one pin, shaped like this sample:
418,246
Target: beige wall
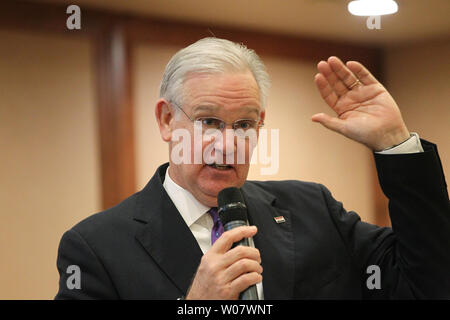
418,77
49,153
49,160
149,63
307,150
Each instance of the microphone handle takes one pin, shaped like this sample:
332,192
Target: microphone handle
250,293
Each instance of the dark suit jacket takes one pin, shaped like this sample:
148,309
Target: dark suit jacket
142,249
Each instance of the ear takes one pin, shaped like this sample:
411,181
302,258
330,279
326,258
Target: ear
262,115
164,116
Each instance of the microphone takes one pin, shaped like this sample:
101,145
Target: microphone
233,214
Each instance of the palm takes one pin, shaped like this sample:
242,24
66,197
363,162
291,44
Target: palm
366,113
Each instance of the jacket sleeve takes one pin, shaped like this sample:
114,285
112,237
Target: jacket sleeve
94,281
414,255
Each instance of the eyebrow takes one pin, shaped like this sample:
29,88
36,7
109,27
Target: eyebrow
212,108
205,108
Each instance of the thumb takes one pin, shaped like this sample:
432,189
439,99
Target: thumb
331,123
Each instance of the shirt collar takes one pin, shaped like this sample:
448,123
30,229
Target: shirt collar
189,207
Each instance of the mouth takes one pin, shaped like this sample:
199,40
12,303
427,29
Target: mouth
222,167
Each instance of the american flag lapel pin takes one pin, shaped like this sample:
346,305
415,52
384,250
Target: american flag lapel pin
279,219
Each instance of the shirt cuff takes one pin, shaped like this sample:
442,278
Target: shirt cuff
412,145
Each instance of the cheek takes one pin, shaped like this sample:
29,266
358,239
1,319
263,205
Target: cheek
241,174
245,152
192,174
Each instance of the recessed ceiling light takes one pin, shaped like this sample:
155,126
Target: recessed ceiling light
372,7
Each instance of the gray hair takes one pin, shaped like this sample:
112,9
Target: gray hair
212,55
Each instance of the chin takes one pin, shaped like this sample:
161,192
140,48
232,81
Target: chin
209,182
212,188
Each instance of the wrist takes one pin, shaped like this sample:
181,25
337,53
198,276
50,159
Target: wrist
412,145
393,140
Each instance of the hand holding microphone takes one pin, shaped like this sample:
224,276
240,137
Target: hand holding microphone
233,214
230,267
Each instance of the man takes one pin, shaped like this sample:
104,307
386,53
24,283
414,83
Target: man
165,241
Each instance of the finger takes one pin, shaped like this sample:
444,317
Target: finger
246,280
344,73
240,252
326,91
331,123
241,267
332,78
361,72
226,240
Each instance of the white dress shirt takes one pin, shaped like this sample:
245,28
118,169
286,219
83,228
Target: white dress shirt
200,222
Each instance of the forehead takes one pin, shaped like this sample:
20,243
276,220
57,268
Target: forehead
231,91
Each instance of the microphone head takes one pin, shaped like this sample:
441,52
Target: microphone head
231,205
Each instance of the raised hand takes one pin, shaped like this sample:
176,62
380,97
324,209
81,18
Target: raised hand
366,112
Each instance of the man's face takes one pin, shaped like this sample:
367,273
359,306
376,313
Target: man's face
229,97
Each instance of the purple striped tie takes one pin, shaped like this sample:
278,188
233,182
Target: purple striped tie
217,229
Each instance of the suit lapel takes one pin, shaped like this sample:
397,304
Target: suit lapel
165,235
274,241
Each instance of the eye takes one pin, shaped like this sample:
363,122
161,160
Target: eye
245,124
211,122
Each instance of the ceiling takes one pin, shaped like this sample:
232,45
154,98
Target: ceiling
416,20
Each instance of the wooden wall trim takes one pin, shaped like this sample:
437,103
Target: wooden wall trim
155,30
115,114
44,17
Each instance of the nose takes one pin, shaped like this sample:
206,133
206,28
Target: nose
225,145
